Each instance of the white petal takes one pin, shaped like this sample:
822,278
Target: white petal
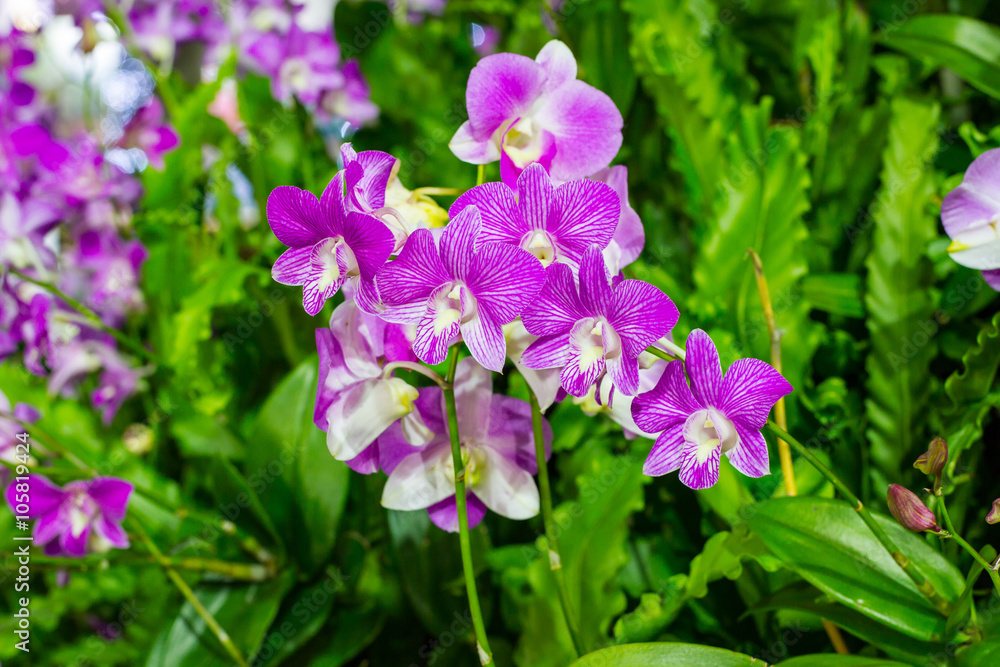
420,480
360,414
504,487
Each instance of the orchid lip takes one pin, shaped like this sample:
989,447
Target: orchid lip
540,244
708,429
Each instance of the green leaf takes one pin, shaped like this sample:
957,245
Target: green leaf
829,546
981,654
980,364
805,598
665,655
900,296
244,612
201,435
351,630
969,47
303,488
837,293
833,660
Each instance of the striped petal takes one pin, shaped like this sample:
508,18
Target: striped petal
749,456
669,403
558,306
750,390
703,367
666,455
294,216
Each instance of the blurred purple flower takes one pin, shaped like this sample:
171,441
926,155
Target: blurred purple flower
148,132
970,214
82,517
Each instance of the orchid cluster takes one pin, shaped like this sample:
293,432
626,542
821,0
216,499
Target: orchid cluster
65,210
527,270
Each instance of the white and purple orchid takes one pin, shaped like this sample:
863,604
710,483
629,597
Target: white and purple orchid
596,326
971,213
716,414
555,224
82,517
328,244
497,448
459,285
523,111
358,398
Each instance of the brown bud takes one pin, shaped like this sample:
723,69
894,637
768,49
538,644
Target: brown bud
910,511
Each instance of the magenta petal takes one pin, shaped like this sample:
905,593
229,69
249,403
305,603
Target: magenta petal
585,213
558,306
504,280
641,314
431,344
697,475
501,87
412,277
704,369
370,241
485,341
457,243
366,462
444,514
44,497
468,148
977,199
112,495
333,206
294,216
587,127
314,295
112,532
749,391
293,266
578,376
547,352
666,454
624,373
498,210
669,403
749,456
366,190
558,62
50,525
75,545
595,283
992,278
535,196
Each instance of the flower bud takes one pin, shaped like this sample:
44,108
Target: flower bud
994,515
910,511
933,460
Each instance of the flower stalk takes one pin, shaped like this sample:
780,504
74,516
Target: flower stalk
922,584
990,570
555,557
482,642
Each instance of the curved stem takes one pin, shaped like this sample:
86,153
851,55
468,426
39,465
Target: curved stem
924,586
92,318
994,576
555,558
436,191
482,643
182,586
481,174
416,368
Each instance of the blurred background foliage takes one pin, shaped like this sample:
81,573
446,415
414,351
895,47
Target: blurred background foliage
823,134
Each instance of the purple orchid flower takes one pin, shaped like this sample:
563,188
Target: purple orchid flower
366,175
23,227
299,63
970,214
458,286
357,400
596,327
148,132
328,244
10,429
715,414
84,516
497,449
555,224
523,111
601,399
352,100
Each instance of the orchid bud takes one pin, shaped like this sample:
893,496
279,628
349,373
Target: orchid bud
994,515
910,511
932,461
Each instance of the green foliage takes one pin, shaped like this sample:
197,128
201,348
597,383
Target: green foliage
655,655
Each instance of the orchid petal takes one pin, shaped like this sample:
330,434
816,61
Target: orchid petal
294,216
749,391
506,488
667,453
704,369
749,456
669,403
420,480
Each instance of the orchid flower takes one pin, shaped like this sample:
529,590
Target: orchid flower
10,428
970,214
715,414
544,382
601,399
82,517
356,400
555,224
497,452
328,244
459,285
630,237
523,111
595,327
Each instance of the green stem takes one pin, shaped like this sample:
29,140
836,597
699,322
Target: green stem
92,318
555,558
924,586
994,576
226,569
481,174
657,352
482,643
182,586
